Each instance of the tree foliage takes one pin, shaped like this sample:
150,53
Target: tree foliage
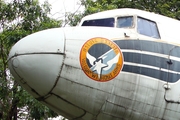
170,8
18,19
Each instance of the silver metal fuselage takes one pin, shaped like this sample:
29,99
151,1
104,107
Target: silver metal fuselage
47,65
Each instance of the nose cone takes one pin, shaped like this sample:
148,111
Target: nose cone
36,61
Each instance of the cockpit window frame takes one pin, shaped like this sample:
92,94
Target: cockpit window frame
132,23
152,24
97,23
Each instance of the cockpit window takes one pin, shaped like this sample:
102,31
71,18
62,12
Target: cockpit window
123,22
147,27
107,22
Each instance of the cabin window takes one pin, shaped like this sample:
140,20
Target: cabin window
147,27
123,22
106,22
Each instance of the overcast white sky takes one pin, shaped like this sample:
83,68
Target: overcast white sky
59,7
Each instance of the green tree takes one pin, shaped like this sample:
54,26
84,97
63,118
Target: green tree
170,8
17,20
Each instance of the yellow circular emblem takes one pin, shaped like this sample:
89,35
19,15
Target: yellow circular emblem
101,59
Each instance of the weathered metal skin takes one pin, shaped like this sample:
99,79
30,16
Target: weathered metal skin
103,73
47,65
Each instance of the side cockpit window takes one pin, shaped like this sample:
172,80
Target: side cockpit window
107,22
147,27
124,22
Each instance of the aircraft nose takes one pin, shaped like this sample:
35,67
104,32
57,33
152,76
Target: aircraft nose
36,61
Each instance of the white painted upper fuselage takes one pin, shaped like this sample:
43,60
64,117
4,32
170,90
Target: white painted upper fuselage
127,70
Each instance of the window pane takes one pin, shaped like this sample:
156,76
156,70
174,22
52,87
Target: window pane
147,27
125,22
107,22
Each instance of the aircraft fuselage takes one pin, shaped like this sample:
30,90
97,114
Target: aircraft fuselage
100,73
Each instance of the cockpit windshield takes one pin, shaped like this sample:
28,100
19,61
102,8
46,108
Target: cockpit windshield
106,22
147,27
124,22
144,26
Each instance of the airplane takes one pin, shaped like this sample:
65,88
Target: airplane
120,64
